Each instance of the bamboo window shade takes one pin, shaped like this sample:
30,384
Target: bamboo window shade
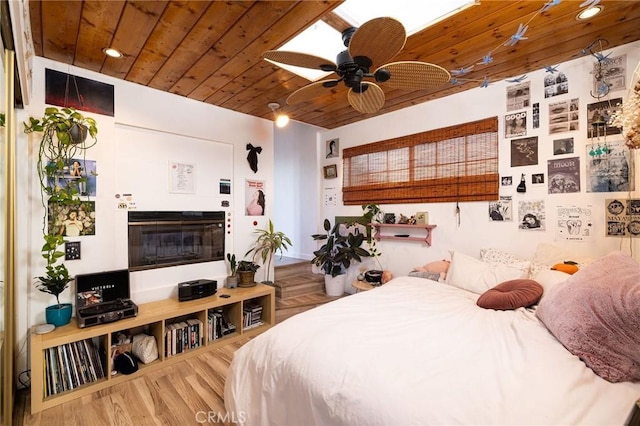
457,163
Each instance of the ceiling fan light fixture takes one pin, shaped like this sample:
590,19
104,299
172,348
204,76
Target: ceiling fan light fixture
280,119
589,12
112,52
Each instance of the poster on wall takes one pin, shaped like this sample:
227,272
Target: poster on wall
254,194
623,217
80,171
518,96
501,210
524,152
515,124
531,215
609,167
563,146
564,116
72,220
613,71
333,148
182,177
556,84
564,175
601,112
574,223
83,94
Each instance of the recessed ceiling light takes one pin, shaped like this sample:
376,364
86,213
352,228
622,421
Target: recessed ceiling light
589,13
114,53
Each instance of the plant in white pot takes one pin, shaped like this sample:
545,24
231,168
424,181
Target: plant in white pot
336,255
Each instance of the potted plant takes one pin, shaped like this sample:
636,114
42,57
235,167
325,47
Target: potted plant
64,138
335,256
246,273
55,281
232,279
268,242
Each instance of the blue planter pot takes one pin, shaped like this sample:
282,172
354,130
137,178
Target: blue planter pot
59,315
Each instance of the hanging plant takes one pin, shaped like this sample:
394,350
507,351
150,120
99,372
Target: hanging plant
64,138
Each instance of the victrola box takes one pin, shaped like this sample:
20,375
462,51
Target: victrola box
190,290
103,297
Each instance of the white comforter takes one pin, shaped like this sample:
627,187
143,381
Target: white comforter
416,352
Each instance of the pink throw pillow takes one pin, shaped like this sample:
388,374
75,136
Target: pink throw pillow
595,314
511,294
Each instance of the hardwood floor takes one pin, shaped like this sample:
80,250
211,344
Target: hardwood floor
186,393
181,394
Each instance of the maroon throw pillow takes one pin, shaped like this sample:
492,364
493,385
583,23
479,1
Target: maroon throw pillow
511,294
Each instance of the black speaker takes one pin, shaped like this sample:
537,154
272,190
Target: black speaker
196,289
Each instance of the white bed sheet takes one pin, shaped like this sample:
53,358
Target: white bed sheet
417,352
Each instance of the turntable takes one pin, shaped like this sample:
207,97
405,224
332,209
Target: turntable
106,312
103,297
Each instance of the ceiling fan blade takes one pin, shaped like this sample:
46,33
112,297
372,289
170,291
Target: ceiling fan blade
300,60
367,101
415,75
308,92
379,39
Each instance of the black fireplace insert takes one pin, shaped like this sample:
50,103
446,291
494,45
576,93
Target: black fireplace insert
164,238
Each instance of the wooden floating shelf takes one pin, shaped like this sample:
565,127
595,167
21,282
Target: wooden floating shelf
395,227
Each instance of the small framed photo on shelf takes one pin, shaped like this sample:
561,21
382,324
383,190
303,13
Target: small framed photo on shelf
422,218
331,171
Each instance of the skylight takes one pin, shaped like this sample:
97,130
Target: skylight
324,41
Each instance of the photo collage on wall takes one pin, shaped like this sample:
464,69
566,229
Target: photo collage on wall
609,167
564,116
556,84
623,217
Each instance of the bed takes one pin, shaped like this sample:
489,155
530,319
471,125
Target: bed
419,352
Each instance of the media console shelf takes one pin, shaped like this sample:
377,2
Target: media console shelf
397,230
77,347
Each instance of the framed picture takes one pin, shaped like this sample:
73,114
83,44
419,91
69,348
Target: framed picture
331,171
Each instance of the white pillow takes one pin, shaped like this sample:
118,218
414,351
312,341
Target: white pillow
550,254
496,256
477,276
548,279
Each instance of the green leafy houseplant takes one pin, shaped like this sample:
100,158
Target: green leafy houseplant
246,273
57,278
268,243
64,137
337,253
233,265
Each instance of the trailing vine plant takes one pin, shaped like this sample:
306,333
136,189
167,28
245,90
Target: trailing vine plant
64,137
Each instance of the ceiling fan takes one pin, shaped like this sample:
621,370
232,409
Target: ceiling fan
374,43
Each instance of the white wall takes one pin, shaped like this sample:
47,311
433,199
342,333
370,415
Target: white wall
184,130
475,230
297,182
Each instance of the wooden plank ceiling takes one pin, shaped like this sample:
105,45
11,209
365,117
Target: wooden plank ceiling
211,51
